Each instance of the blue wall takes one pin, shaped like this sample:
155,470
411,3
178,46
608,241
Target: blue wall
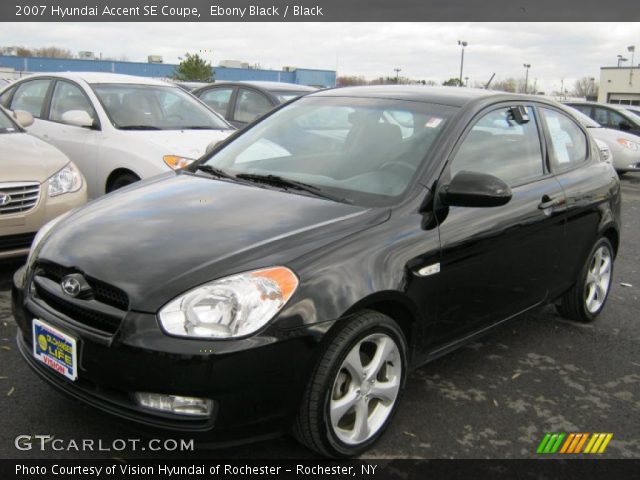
324,78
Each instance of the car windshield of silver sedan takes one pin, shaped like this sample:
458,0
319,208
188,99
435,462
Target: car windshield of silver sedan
6,125
151,107
367,150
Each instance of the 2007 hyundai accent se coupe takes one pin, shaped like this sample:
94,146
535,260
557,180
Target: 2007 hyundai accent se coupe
289,280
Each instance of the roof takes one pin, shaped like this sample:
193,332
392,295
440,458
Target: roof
613,106
271,86
101,77
454,96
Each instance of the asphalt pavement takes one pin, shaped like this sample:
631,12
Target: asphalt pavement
494,398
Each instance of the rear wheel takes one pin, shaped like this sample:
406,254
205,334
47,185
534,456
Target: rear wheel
355,388
586,299
123,180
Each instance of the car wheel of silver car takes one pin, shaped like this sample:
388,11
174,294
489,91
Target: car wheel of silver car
355,388
587,298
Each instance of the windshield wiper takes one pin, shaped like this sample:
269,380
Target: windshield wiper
215,171
138,127
287,183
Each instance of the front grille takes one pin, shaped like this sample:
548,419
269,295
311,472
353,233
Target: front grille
103,292
18,197
16,242
97,312
91,318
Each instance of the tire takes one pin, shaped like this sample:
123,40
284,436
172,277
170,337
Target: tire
576,303
326,425
122,181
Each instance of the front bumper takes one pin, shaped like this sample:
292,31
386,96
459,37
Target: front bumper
255,383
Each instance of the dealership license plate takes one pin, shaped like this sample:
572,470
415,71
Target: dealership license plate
55,349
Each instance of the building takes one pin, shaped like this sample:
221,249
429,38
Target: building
620,85
13,67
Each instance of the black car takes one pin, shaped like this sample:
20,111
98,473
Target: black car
615,116
240,103
292,278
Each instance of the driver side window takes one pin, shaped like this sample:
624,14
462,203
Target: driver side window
498,145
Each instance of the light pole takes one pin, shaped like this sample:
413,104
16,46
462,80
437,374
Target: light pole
621,59
632,49
527,66
397,70
466,81
462,44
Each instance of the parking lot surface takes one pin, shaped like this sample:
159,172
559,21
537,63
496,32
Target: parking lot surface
494,398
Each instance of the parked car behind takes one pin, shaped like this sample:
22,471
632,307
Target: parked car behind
635,109
610,115
116,128
291,279
37,183
242,102
624,147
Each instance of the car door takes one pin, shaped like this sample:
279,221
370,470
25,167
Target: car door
587,183
219,99
497,262
31,96
78,143
250,104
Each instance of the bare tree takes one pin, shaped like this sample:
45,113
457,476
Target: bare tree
585,87
52,52
350,80
506,85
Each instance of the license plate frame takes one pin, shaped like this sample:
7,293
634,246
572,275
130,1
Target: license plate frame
55,349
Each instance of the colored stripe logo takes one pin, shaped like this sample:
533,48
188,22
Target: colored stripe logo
574,443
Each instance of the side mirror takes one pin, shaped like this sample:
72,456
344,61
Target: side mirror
24,119
78,118
624,126
473,189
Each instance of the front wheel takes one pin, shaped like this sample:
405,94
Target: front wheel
355,387
122,181
586,299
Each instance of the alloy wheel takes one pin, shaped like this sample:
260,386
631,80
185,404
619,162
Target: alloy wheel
365,389
598,279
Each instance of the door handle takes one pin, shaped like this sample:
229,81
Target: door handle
548,202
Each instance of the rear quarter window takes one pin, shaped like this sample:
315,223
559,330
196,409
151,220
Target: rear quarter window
568,143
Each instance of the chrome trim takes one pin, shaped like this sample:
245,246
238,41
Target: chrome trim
23,197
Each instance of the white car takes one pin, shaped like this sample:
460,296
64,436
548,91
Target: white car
116,128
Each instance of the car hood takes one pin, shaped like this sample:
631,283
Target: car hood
186,143
165,235
24,158
611,136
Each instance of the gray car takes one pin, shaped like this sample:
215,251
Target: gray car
624,147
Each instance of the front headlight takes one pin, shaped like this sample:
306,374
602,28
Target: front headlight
66,180
176,161
42,233
605,152
233,306
629,144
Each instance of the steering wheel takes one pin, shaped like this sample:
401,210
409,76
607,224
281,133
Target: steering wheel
398,163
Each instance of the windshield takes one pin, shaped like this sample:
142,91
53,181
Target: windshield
6,125
634,111
151,107
585,120
363,149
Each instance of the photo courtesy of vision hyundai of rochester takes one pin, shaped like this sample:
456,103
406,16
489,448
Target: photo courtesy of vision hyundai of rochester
290,279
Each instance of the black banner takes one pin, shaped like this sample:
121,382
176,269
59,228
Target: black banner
317,10
308,469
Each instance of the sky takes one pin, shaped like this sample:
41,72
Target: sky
423,51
